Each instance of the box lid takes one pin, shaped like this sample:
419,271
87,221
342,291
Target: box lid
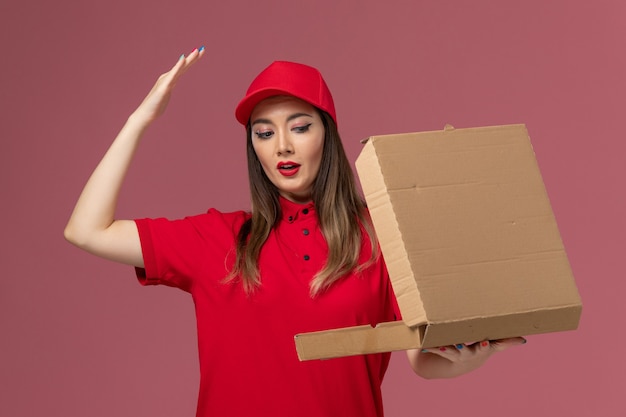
465,223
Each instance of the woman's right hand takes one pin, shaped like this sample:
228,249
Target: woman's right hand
156,101
92,225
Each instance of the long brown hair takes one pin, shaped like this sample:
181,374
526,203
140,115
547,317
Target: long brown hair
340,209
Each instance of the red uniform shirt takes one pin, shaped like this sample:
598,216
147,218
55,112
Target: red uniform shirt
248,360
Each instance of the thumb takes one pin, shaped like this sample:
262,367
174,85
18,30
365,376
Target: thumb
503,344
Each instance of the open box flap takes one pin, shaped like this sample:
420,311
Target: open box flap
393,336
464,223
390,236
385,337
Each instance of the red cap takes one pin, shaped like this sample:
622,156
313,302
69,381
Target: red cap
291,79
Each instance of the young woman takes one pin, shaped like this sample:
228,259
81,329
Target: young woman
304,259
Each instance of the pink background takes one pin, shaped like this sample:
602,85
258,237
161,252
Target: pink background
78,335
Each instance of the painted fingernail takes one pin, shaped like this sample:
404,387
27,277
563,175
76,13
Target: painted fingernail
484,343
460,346
201,49
181,57
443,349
424,351
524,341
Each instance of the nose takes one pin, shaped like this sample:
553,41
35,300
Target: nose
283,144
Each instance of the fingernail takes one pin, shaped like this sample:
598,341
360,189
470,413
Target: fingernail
524,341
181,57
201,49
443,349
424,351
459,346
484,344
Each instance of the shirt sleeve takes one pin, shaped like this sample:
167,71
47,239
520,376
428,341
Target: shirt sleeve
178,252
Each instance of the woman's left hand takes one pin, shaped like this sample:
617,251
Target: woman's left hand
451,361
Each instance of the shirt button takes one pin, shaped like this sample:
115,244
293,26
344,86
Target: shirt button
305,232
290,218
305,211
307,257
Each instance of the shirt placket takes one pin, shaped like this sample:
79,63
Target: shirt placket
302,228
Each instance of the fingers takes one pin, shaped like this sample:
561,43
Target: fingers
185,62
464,351
170,78
193,57
454,353
155,103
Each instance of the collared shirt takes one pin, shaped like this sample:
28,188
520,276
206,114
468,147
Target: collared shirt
248,361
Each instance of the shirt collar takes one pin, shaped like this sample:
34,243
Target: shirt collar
291,211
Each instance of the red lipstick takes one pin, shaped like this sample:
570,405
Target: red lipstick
288,168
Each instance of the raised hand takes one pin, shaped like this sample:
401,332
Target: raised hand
157,99
93,226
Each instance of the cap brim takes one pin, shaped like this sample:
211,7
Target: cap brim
247,105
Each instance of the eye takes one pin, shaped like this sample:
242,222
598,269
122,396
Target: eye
264,135
301,129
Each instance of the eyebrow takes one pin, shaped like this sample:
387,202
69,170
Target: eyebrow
290,118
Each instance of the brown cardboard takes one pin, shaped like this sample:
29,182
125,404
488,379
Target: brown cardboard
469,238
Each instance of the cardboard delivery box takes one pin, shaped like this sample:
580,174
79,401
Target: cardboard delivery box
469,239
